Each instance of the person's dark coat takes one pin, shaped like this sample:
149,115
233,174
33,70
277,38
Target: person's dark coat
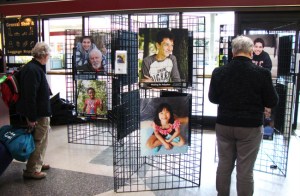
242,90
34,99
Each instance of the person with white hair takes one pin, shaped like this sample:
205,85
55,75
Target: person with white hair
242,90
34,104
95,63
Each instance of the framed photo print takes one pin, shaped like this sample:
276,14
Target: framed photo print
164,123
91,99
163,57
266,52
121,62
90,56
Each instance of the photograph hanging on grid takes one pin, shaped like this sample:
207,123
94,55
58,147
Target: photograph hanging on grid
163,57
164,125
90,54
265,52
91,102
121,62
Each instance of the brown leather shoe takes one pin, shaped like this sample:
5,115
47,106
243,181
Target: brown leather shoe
34,175
45,167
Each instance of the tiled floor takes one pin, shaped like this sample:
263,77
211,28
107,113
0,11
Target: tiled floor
79,170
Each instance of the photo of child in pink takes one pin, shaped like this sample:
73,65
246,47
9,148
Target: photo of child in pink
166,129
92,104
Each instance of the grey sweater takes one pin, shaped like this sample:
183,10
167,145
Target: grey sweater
170,75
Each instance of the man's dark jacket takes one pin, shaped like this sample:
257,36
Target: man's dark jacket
242,90
34,99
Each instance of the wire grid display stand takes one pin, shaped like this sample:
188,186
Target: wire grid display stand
85,130
133,172
273,154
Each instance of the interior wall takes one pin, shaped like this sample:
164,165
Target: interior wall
80,6
267,21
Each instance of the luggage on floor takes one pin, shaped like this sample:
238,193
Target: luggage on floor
18,141
268,133
5,158
62,111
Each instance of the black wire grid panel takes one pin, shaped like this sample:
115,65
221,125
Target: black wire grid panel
91,132
84,129
273,154
132,171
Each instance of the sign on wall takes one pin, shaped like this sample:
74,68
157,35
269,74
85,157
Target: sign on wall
20,35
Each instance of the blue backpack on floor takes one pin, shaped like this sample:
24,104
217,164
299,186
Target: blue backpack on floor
18,141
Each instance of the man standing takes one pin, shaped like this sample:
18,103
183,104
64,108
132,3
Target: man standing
242,90
34,104
161,67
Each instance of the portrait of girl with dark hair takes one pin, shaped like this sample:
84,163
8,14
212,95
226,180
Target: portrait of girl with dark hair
166,129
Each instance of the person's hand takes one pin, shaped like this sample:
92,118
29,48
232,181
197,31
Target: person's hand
31,124
168,146
147,79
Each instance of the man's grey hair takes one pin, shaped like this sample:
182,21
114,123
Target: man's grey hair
95,51
242,44
41,49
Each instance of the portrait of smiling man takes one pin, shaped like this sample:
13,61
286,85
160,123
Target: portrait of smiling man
95,63
162,66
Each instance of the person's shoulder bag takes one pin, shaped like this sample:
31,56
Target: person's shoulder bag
18,141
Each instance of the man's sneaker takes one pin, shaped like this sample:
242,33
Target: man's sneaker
34,175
